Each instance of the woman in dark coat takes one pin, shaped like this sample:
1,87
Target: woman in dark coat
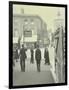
46,56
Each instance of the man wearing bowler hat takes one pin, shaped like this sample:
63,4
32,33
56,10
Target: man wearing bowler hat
22,58
38,58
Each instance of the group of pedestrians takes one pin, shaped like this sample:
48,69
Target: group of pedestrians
22,55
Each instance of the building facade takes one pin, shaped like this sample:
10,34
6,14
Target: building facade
29,30
58,40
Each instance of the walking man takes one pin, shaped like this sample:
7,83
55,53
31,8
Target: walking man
32,56
22,58
38,58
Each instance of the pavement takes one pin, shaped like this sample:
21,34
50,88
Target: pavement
31,76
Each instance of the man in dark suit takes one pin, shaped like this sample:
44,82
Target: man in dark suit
38,58
32,56
22,58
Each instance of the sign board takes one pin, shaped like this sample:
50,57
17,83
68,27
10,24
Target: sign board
27,33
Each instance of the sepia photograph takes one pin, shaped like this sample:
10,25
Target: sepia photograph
37,43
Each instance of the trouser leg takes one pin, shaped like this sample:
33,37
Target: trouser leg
24,65
21,64
39,67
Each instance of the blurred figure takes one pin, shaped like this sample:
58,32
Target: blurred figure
46,56
32,56
38,58
16,54
22,58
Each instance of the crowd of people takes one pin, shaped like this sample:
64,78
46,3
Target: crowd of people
21,54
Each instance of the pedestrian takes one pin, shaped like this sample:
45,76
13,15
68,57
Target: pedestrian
46,56
22,58
32,56
38,58
16,54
